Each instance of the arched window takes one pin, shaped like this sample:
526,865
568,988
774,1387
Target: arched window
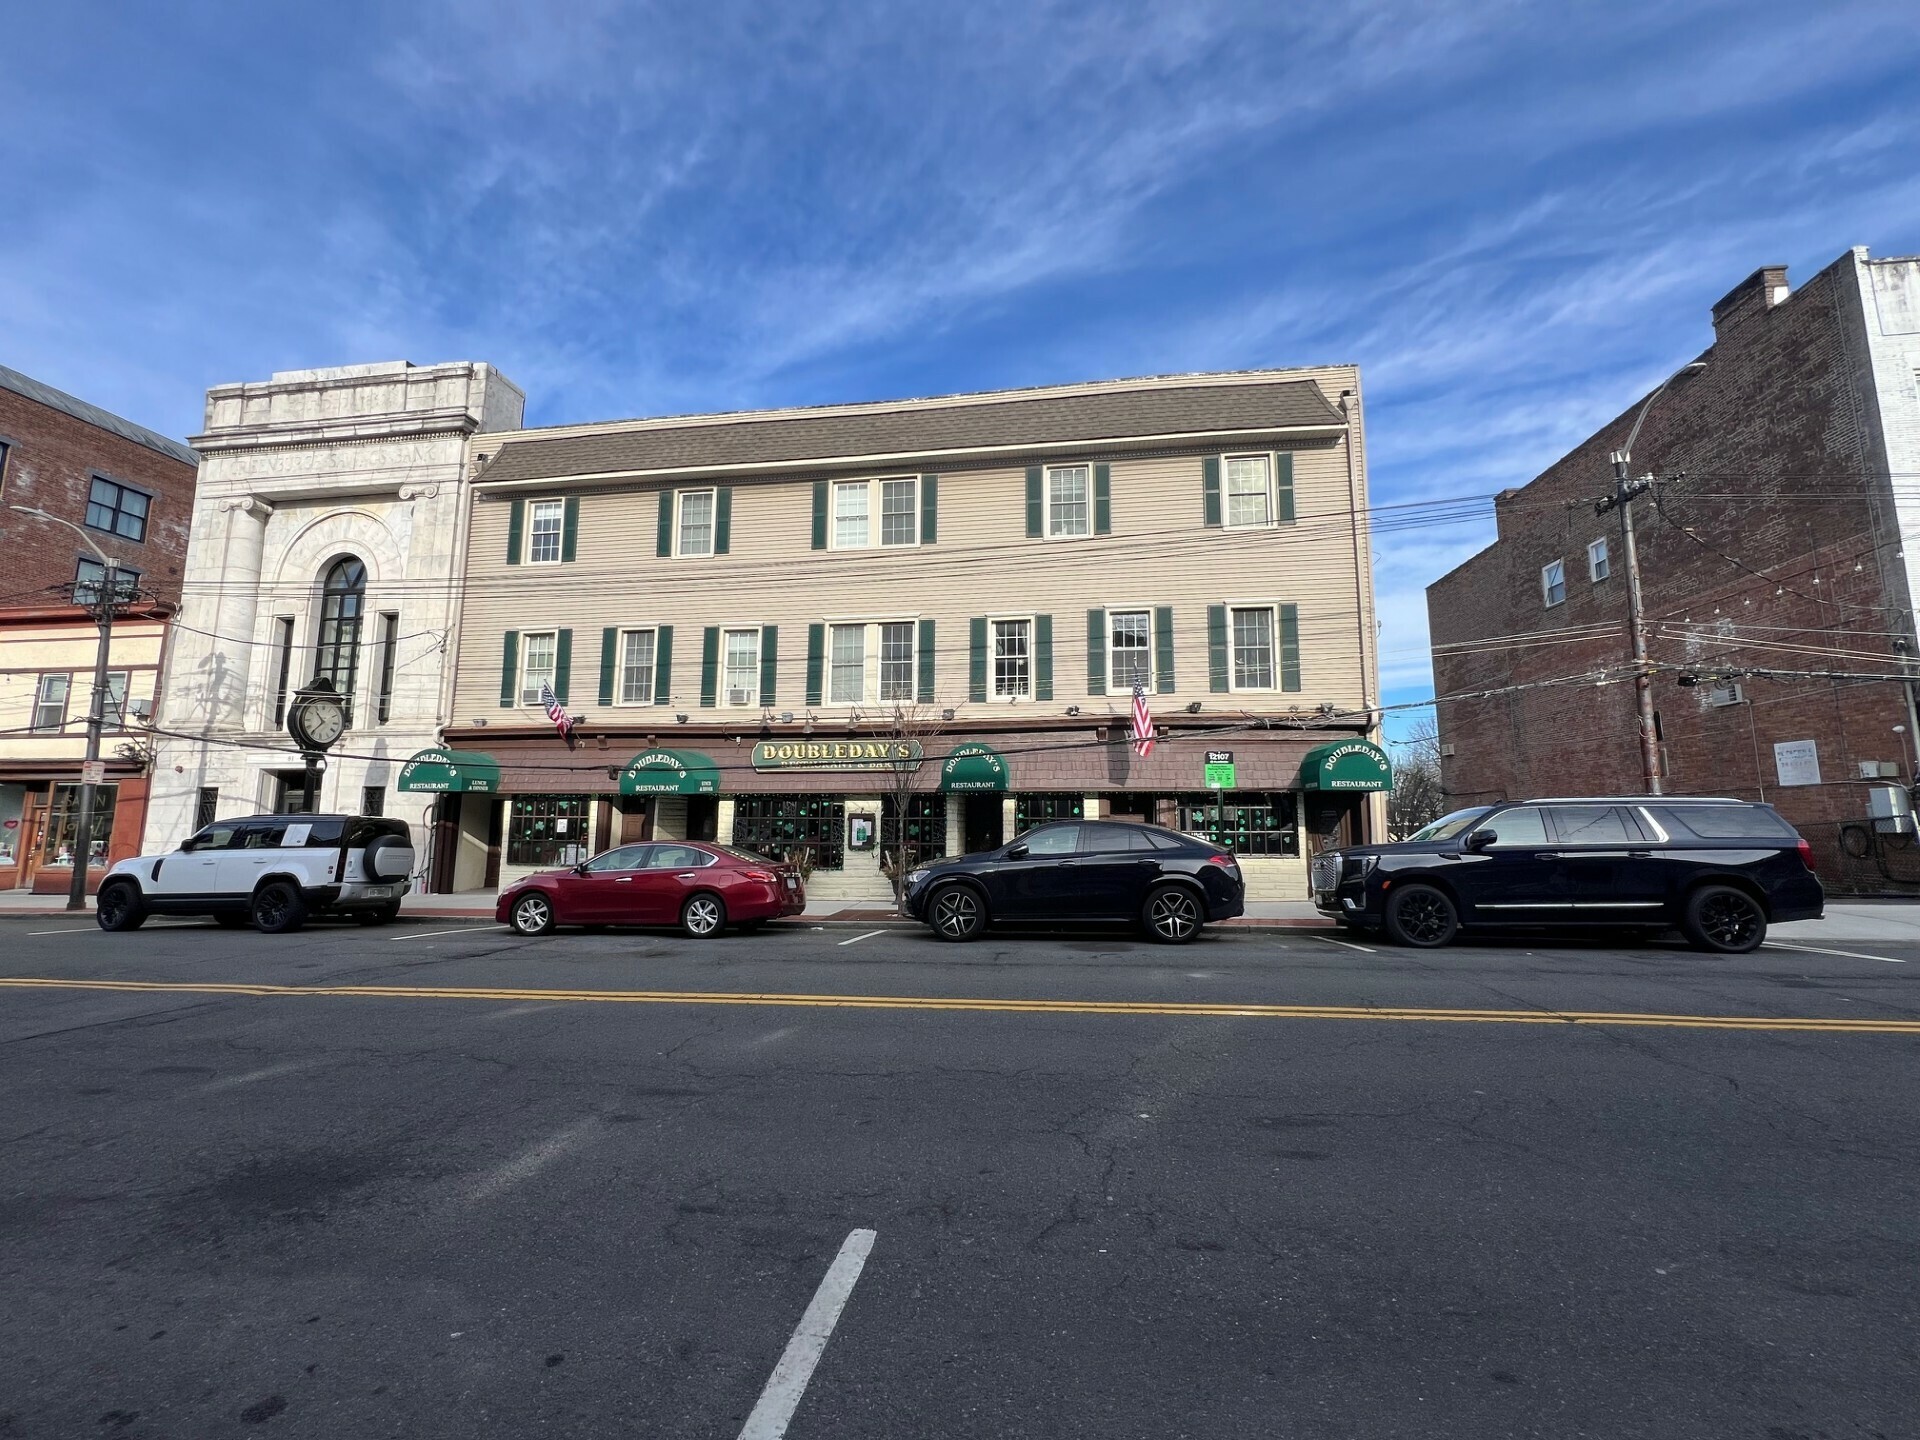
342,603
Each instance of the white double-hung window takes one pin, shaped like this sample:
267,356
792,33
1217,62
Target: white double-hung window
695,533
1069,503
543,538
1553,583
1253,651
847,665
1130,652
1599,563
636,667
1012,659
1249,491
741,671
871,660
539,654
856,503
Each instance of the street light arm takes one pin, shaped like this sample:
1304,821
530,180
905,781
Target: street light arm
85,538
1625,452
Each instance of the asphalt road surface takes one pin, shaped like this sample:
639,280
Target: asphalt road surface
439,1180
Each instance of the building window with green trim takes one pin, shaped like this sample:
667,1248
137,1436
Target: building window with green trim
926,837
1251,823
636,667
782,827
1253,647
1038,807
547,517
539,651
547,829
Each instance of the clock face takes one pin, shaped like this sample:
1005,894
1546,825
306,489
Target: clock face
322,720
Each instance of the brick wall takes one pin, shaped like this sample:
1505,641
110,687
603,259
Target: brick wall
1781,477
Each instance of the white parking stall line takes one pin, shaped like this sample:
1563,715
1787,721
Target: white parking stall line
788,1382
858,938
90,929
1364,950
1816,950
429,934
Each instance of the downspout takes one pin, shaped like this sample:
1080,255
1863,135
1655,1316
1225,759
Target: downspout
1362,588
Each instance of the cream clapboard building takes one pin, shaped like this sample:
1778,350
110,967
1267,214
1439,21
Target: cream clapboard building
744,611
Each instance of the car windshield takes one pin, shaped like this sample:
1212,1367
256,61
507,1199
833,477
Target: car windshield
1448,826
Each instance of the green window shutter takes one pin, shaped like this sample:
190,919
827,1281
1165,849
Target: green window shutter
609,644
819,514
769,662
1036,505
1283,486
710,666
664,541
1096,652
509,669
663,666
816,664
1217,649
723,520
1289,647
570,528
1043,657
1163,649
1210,488
925,693
563,665
1103,499
516,527
929,509
977,659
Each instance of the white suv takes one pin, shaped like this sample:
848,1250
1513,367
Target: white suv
271,870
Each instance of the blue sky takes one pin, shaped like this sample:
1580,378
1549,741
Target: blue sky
1513,217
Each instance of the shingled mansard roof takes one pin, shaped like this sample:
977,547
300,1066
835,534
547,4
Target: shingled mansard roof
915,429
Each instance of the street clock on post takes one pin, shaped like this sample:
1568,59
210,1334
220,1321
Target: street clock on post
316,719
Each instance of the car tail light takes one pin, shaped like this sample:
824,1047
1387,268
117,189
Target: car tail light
340,866
1806,854
766,875
1225,862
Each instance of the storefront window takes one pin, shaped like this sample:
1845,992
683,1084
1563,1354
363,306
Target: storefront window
779,825
1040,807
926,827
547,830
1251,823
63,822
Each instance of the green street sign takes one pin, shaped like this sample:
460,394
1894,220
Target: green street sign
1219,769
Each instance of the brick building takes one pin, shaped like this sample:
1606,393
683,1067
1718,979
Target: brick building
128,492
1791,470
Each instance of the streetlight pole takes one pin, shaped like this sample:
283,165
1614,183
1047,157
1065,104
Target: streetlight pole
96,711
1624,489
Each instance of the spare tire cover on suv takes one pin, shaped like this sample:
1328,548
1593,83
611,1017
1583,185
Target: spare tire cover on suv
389,858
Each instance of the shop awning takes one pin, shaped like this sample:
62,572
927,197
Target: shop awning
973,767
1346,765
451,772
670,772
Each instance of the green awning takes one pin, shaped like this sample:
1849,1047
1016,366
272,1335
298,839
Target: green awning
1346,765
973,767
670,772
451,772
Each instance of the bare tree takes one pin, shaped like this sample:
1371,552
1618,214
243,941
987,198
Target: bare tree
907,723
1418,797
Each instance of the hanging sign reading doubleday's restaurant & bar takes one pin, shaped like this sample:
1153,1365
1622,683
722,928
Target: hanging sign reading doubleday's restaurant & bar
836,754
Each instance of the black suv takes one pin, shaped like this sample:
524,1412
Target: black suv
1718,870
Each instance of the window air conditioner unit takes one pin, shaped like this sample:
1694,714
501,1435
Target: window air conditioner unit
739,697
140,709
1446,752
1723,695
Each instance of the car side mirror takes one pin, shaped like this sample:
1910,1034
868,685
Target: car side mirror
1481,839
1017,852
190,844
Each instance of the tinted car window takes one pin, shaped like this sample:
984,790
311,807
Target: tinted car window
214,837
1109,838
677,857
1592,825
1722,822
360,830
627,857
1052,840
1448,826
1517,827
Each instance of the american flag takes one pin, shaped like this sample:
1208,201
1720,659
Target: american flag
556,712
1142,723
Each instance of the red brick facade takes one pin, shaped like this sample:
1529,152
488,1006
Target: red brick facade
1778,549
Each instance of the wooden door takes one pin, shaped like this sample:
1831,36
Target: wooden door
33,830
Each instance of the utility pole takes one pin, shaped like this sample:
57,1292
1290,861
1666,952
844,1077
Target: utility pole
1624,490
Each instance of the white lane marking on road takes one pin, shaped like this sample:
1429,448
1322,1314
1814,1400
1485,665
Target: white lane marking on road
789,1379
529,1163
513,1010
429,934
858,938
232,1082
1347,943
89,928
1816,950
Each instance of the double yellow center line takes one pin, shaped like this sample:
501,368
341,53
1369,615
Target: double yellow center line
1015,1007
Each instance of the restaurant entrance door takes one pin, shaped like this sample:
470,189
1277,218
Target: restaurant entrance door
983,822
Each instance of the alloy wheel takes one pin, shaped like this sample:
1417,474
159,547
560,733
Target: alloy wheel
956,914
532,915
1425,917
1729,919
269,907
1173,915
703,915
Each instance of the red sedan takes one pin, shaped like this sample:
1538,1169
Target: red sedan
699,887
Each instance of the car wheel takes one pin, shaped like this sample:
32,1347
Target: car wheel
230,920
703,917
532,914
1172,914
1725,920
278,908
1421,916
118,906
956,913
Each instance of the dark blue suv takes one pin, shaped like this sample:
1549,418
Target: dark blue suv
1719,871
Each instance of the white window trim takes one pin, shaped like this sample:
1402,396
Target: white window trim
1272,607
870,658
526,656
560,535
713,523
1605,554
620,665
1272,522
876,517
1046,500
994,694
725,630
1547,602
1113,610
